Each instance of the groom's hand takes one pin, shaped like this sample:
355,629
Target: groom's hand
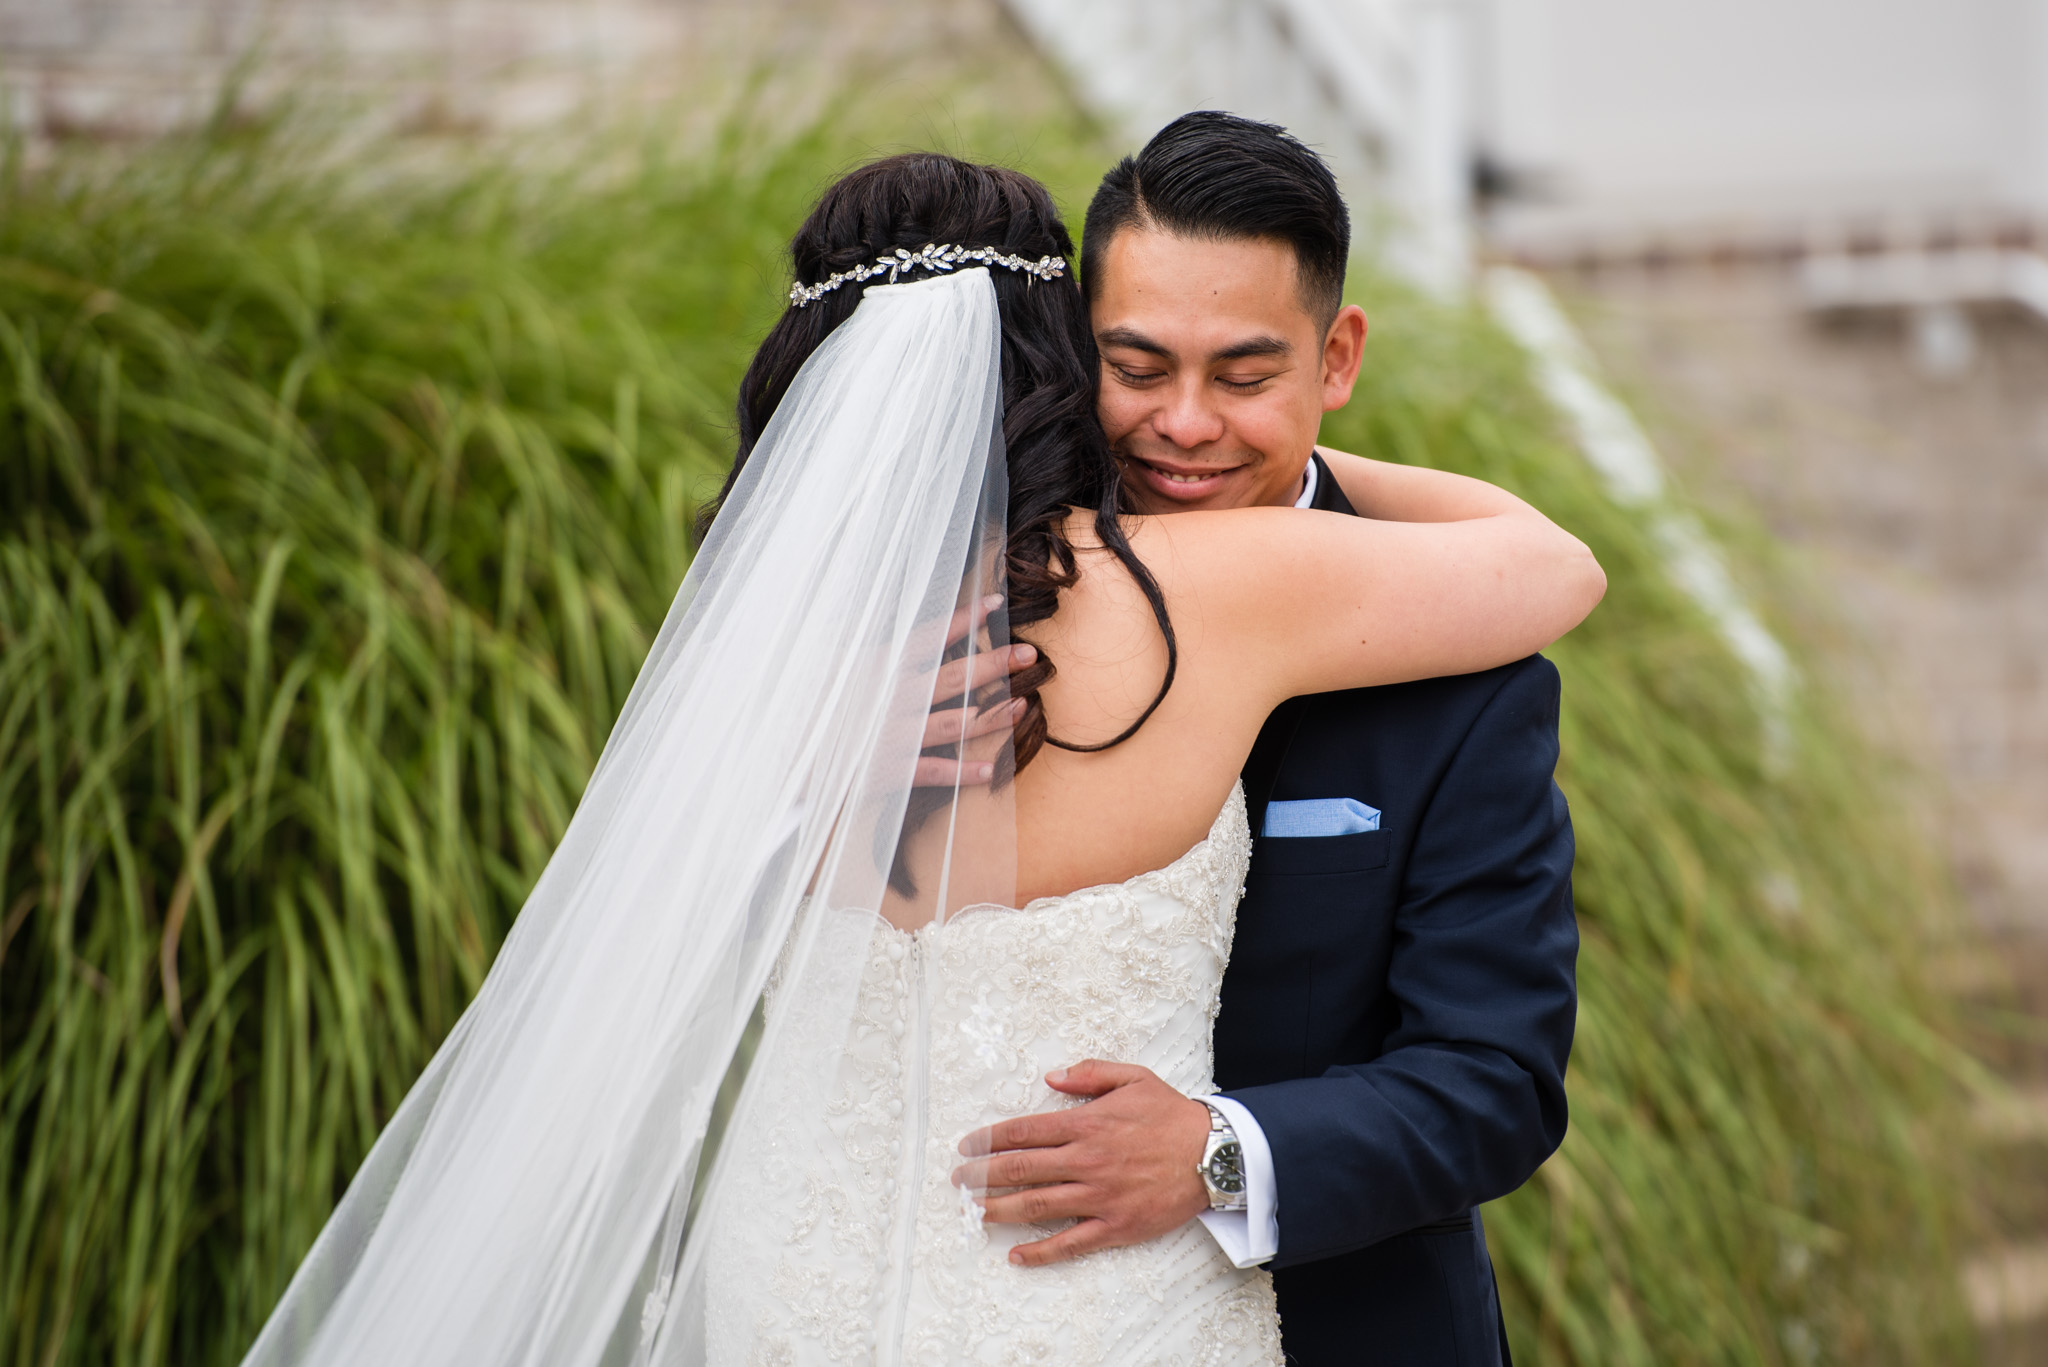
1123,1165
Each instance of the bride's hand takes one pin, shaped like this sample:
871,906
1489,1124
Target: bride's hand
1124,1165
954,719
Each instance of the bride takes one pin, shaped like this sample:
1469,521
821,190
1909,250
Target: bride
706,1106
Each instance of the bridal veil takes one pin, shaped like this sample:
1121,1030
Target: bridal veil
553,1188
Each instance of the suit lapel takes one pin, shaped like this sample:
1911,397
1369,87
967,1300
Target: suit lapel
1328,496
1269,752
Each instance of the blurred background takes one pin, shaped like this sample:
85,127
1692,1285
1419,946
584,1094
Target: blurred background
365,361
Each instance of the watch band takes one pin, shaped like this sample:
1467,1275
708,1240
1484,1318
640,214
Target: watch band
1222,1165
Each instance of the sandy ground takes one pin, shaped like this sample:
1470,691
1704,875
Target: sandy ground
1917,508
1922,502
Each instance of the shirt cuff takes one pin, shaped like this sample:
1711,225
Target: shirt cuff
1250,1236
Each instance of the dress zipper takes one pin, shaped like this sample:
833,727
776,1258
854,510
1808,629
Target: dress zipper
917,1042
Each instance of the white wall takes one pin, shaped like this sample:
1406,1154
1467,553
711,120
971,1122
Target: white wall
1758,113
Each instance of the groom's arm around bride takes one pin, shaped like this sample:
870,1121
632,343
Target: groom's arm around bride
1399,1002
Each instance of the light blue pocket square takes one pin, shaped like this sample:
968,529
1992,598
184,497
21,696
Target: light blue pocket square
1319,816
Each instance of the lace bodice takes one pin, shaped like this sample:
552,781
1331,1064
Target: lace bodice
861,1249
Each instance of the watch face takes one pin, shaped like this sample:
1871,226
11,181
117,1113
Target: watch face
1226,1168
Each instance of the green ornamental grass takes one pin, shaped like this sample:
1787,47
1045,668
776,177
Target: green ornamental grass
340,496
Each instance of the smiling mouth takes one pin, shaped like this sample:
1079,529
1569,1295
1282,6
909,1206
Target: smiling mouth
1167,476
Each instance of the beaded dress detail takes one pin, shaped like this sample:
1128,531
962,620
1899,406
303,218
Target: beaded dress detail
857,1249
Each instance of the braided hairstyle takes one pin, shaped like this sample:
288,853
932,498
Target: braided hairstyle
1057,457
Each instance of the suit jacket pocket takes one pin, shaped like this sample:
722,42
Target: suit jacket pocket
1320,854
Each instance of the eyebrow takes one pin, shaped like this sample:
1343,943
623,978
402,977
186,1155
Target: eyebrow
1236,351
1255,346
1132,338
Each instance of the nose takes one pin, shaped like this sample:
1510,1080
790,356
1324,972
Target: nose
1187,418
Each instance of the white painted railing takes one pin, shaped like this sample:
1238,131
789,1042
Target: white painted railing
1612,442
1379,87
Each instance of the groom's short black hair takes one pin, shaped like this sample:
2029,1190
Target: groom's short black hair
1217,175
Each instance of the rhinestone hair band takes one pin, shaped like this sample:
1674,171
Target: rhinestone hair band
941,257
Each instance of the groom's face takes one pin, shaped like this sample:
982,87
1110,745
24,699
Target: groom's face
1215,375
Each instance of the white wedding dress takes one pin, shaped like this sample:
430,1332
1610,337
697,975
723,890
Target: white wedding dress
855,1247
569,1185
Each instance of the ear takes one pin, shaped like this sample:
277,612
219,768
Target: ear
1343,351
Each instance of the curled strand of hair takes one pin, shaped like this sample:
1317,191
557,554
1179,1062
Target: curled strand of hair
1120,547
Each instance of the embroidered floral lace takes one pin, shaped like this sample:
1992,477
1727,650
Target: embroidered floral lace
855,1247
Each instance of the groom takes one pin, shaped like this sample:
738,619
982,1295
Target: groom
1399,1002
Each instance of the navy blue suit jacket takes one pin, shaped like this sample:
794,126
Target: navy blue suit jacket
1399,1004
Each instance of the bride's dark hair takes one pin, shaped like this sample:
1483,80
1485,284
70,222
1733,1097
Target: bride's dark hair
1056,455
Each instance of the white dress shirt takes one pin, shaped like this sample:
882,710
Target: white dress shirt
1308,486
1250,1236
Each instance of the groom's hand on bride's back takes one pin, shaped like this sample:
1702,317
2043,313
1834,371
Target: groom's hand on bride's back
1124,1164
947,757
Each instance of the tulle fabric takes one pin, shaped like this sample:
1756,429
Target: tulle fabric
537,1198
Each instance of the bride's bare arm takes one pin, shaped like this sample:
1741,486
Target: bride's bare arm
1388,492
1468,577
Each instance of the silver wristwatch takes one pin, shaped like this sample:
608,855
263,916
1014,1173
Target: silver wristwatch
1222,1166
